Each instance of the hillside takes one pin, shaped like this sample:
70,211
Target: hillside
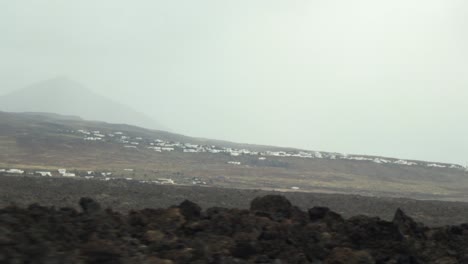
102,151
68,97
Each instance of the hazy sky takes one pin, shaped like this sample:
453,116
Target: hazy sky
364,76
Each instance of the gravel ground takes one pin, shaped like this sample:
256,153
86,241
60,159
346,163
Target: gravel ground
126,195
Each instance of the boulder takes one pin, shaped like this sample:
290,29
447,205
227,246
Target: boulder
89,206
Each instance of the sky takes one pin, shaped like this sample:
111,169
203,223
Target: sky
366,76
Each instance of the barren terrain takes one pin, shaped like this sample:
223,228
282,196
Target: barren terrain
127,195
45,142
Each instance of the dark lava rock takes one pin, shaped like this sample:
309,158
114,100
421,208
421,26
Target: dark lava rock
190,210
318,213
276,205
89,206
406,225
273,231
348,256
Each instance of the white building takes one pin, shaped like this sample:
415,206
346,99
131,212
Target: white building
157,149
44,173
188,145
92,138
380,161
84,132
15,171
405,162
436,165
165,181
167,149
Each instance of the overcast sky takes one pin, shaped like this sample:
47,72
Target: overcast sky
365,76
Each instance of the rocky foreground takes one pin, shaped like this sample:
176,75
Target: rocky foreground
271,231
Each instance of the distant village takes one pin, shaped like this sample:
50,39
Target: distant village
105,176
159,145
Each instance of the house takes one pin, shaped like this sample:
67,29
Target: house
404,162
84,132
165,181
44,173
68,174
380,161
167,149
436,165
62,171
15,171
92,138
157,149
106,173
262,158
234,162
303,154
360,158
295,188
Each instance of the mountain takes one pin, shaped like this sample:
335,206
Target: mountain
68,97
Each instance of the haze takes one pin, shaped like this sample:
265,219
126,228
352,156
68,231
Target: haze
370,77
